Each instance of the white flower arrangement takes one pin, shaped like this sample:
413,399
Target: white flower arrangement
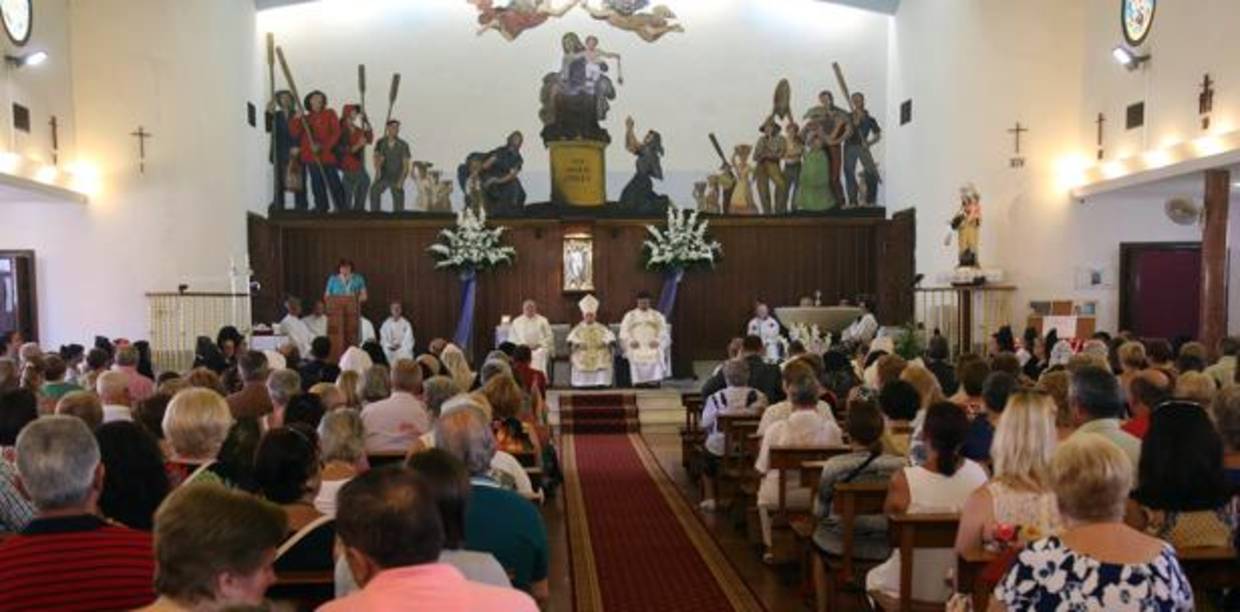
682,244
471,245
810,336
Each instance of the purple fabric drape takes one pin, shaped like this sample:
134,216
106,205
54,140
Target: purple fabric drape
465,322
667,297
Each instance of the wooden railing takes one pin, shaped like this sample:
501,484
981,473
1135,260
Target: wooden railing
966,316
178,319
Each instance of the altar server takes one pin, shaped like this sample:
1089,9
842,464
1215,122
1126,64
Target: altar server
533,330
646,343
294,328
590,344
764,326
396,335
865,328
317,319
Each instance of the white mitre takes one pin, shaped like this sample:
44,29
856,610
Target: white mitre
588,305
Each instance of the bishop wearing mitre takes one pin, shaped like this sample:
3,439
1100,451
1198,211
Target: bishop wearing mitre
590,343
646,342
533,330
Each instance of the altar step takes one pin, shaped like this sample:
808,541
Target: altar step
623,410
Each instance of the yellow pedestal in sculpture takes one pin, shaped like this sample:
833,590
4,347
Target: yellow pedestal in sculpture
578,173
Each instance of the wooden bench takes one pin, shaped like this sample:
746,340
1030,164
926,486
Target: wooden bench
909,532
306,590
785,459
691,435
381,459
848,501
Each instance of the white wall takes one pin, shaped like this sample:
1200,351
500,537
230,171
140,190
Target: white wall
182,70
45,89
973,68
463,93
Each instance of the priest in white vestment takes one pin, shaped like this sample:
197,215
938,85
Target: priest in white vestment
590,344
317,320
533,330
864,329
396,335
294,328
646,342
764,326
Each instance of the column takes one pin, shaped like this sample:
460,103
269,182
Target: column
1214,258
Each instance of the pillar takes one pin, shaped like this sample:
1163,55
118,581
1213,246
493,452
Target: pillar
1214,258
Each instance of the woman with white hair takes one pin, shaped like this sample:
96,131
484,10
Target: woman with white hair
458,367
1017,505
342,448
195,426
1097,562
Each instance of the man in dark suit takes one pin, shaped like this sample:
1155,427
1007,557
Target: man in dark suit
763,376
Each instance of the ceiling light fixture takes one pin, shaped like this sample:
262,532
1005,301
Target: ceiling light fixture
29,59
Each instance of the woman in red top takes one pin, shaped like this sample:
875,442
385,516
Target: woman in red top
355,135
319,155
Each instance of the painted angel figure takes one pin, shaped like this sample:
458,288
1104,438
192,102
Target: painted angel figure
518,16
624,14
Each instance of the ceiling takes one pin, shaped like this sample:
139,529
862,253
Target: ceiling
1191,185
879,6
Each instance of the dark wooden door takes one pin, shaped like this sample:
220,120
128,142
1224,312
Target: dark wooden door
1160,295
18,306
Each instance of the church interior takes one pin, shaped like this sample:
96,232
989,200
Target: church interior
608,305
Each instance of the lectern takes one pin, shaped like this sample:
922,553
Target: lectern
343,321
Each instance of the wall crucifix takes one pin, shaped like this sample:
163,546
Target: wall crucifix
1101,121
1018,161
141,134
1205,101
55,125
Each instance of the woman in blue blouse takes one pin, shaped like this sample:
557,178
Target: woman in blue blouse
345,282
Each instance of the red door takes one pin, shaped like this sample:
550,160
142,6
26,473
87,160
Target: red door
1161,293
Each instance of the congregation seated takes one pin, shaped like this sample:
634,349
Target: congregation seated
763,376
513,418
1055,384
195,426
286,469
305,409
506,470
780,410
1195,386
995,392
447,481
59,468
253,399
393,423
972,372
1147,390
804,425
214,549
18,408
329,394
1097,562
318,368
899,404
126,362
1224,371
349,383
839,376
376,382
737,398
936,360
281,387
393,537
942,484
114,392
498,520
436,391
135,481
458,367
867,462
1017,505
1097,405
1181,494
1226,413
342,447
16,511
54,384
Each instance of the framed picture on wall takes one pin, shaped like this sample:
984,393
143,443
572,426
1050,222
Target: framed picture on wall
578,263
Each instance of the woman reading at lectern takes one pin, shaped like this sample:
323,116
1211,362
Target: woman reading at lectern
345,282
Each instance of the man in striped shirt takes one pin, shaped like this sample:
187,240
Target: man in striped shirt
69,558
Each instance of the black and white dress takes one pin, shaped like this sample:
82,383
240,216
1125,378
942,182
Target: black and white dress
1050,576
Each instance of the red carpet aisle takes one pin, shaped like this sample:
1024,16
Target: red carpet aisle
635,543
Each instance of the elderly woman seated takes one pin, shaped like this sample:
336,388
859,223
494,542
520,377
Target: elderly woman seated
195,426
286,468
1097,562
342,441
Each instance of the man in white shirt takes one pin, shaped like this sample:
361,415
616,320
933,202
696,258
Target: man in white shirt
737,398
646,342
294,328
394,423
780,411
396,335
863,330
590,343
317,319
533,330
804,426
764,326
113,389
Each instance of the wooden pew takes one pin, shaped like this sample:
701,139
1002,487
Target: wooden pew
381,459
306,590
908,533
969,567
785,459
848,501
735,463
691,435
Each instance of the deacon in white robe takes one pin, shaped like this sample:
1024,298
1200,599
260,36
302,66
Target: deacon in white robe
533,330
647,343
294,328
367,331
864,329
764,326
396,335
590,343
317,320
